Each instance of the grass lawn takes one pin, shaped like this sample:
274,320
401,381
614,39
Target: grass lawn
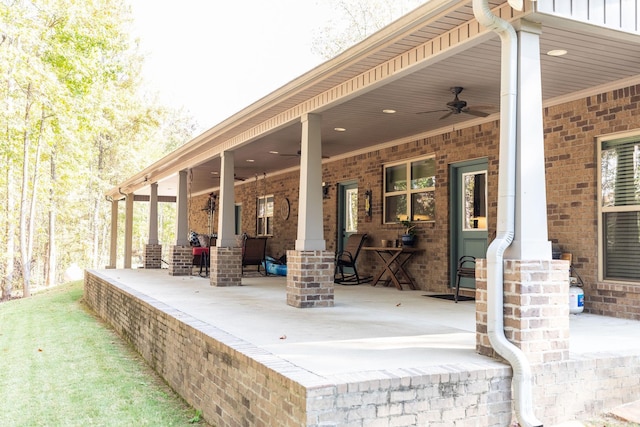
61,366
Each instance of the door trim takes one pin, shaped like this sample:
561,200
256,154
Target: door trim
340,219
454,206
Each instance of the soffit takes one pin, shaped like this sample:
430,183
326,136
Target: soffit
596,58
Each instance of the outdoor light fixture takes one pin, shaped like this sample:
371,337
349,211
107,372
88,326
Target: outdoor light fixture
557,52
325,190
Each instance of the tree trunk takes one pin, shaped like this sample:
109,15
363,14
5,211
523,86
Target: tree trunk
34,192
24,254
7,285
52,252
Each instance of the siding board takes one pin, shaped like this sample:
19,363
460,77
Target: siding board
621,15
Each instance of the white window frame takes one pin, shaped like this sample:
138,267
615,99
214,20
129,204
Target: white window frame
351,207
632,136
264,216
408,191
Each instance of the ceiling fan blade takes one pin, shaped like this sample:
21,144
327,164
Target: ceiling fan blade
432,111
475,113
446,115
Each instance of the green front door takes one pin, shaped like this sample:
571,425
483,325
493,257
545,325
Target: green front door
468,214
347,212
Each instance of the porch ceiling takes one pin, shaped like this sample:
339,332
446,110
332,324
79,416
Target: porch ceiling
596,58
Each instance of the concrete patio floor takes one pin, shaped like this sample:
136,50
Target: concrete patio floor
368,329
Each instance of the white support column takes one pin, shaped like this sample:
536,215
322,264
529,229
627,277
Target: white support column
153,249
181,252
310,218
310,265
531,232
182,220
226,211
128,230
113,249
226,257
153,215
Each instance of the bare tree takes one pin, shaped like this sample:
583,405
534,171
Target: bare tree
357,20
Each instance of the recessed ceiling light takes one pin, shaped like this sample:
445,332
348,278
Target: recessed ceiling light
250,160
274,152
214,173
557,52
389,111
339,129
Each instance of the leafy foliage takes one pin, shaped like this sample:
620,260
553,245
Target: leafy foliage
74,123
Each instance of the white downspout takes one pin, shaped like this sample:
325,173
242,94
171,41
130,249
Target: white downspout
522,377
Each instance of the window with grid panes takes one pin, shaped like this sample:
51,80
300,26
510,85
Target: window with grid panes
409,190
264,225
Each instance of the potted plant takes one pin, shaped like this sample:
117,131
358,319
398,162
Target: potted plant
409,236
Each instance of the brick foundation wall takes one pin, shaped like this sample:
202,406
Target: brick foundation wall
153,256
477,395
222,380
237,384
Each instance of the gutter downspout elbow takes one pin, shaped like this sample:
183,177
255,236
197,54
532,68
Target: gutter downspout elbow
522,377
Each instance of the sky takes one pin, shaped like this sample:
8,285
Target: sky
215,57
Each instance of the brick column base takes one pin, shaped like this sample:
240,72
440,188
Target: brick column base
153,256
536,309
181,261
225,266
310,279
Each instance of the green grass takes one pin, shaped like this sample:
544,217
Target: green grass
61,366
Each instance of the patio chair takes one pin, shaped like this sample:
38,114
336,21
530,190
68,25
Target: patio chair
347,258
254,253
466,268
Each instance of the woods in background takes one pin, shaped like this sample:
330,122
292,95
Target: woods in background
74,123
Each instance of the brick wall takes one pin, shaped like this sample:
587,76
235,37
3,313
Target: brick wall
564,387
235,383
226,266
153,256
213,371
181,260
571,168
536,309
571,157
310,279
